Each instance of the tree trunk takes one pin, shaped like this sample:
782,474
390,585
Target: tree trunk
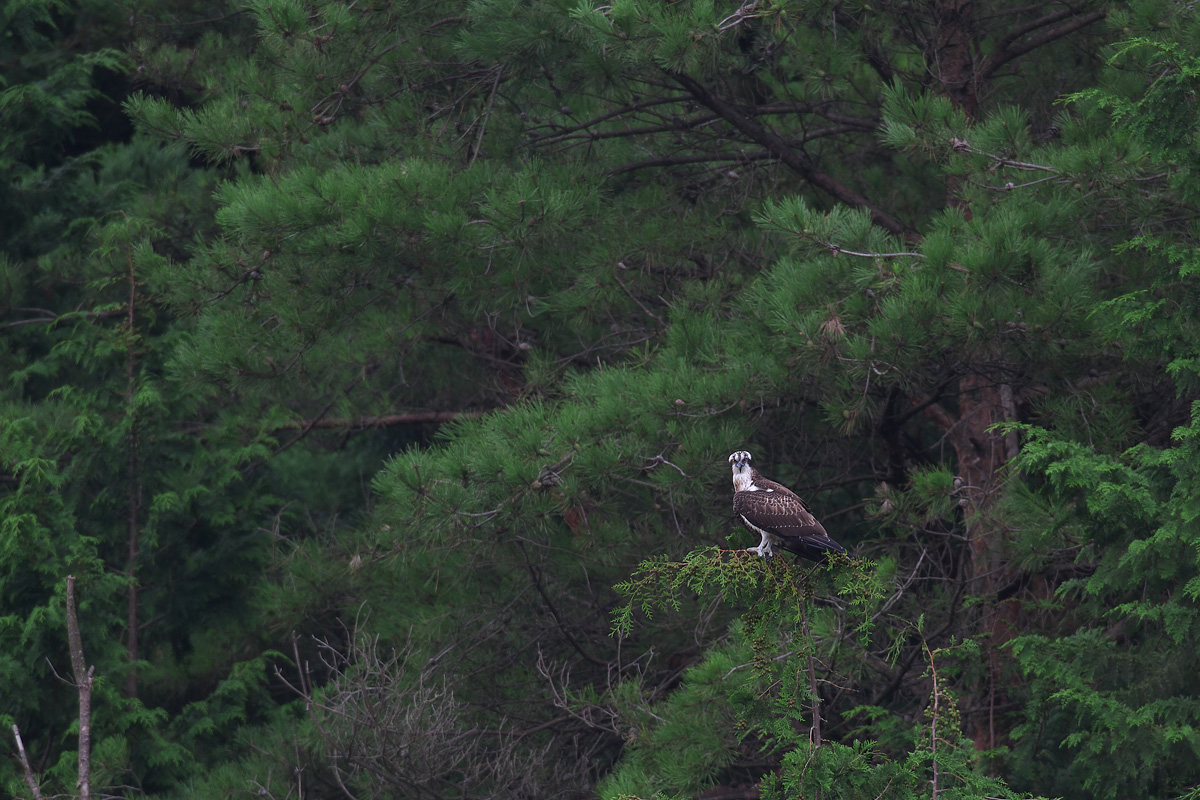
982,455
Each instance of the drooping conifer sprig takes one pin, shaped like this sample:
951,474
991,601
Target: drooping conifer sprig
659,583
766,584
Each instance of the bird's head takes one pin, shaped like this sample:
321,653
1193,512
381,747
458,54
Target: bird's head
740,461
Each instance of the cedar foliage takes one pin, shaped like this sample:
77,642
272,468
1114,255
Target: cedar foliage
611,243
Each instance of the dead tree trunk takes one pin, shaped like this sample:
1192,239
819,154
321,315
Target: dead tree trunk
82,675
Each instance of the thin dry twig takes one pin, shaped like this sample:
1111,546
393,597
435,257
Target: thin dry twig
391,723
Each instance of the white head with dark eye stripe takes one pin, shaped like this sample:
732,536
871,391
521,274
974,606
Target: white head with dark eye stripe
743,473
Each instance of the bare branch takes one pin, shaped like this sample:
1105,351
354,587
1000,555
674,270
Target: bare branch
536,577
736,18
30,780
390,722
716,158
1007,53
384,421
699,158
486,115
632,108
788,155
937,413
70,315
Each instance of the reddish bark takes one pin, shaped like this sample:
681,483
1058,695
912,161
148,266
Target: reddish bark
982,455
952,55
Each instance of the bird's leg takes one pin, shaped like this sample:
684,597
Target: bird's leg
764,547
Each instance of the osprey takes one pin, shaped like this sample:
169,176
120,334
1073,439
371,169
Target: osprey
775,513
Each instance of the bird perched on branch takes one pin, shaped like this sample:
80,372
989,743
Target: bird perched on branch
777,514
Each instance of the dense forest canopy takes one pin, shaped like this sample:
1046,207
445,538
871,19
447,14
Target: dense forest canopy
372,368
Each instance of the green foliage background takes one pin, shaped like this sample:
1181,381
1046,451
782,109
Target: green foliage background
373,368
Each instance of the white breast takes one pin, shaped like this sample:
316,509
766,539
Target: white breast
742,482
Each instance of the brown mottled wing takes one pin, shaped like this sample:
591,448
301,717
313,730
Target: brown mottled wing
782,513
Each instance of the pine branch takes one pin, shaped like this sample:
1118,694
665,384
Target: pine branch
919,405
583,132
208,21
873,50
384,421
788,155
645,130
536,578
55,319
866,125
1006,53
566,133
704,158
487,114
